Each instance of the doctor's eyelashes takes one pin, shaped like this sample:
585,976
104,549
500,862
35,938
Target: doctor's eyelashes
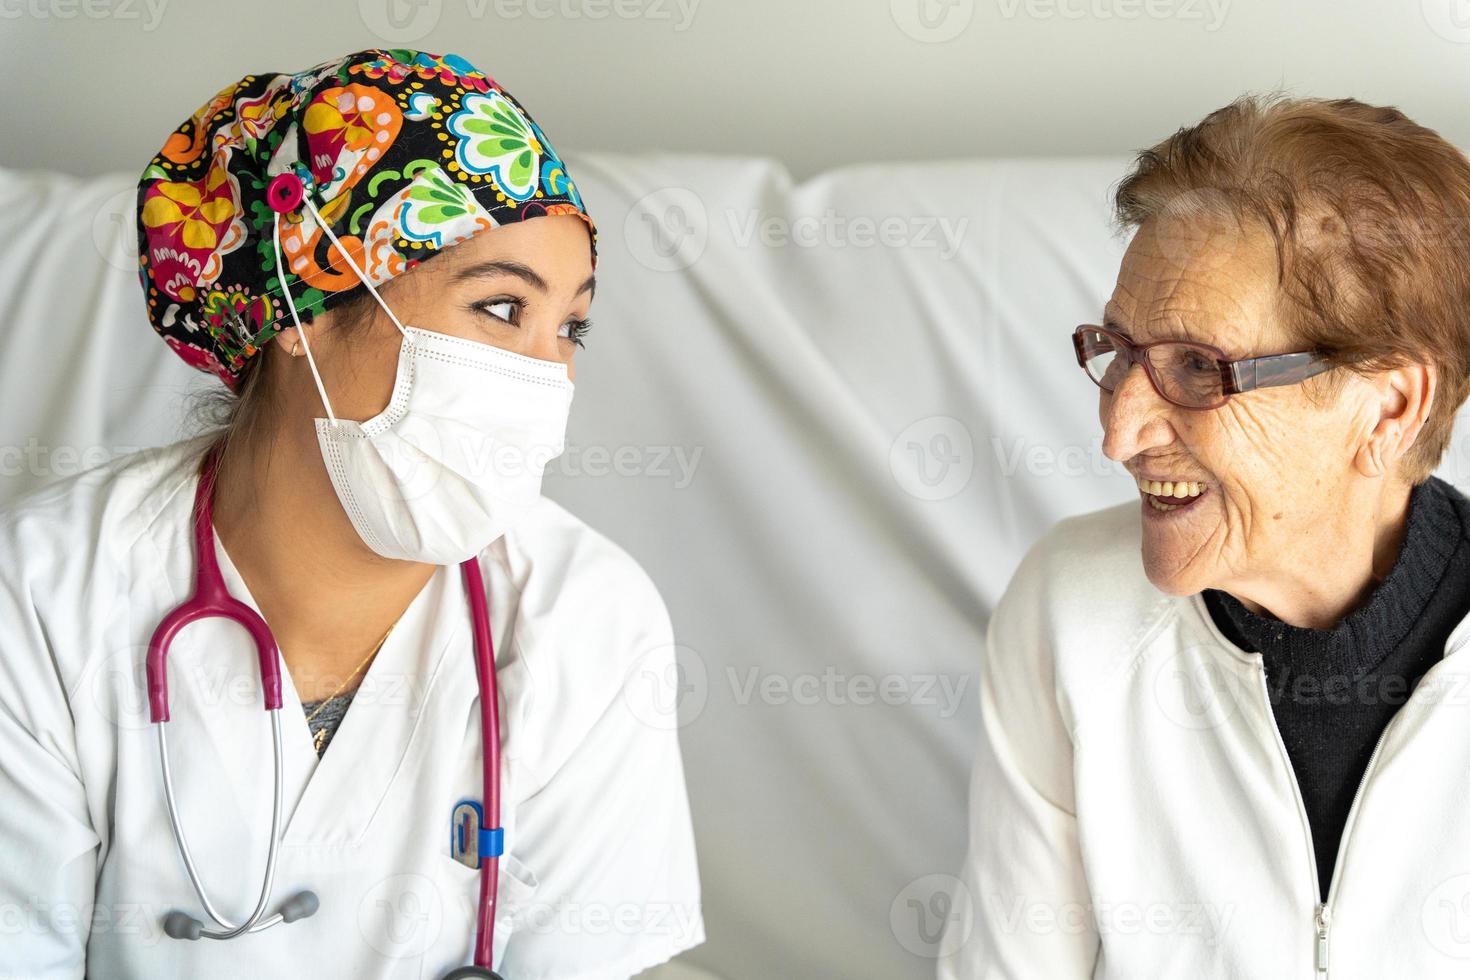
574,329
487,307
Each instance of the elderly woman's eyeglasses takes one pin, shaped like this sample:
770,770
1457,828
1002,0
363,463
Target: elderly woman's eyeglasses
1184,373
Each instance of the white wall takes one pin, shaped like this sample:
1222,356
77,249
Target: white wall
95,85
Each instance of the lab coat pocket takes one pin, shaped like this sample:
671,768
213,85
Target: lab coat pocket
518,885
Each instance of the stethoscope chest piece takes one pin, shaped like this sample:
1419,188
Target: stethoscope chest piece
472,973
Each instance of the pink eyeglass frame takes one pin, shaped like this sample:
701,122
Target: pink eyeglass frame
1236,377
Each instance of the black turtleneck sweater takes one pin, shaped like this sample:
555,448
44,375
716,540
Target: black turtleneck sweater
1333,691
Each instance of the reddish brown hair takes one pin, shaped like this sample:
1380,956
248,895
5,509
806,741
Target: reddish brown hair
1370,216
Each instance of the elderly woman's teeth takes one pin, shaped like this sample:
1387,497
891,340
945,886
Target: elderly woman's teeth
1180,489
1156,491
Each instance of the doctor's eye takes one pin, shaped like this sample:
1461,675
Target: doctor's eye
506,310
575,330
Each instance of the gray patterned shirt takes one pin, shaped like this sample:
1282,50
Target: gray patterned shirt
326,722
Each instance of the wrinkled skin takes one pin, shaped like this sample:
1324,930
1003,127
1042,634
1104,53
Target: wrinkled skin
1304,507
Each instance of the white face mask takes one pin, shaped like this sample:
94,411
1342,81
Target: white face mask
456,458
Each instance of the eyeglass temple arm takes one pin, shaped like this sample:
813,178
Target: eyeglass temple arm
1272,371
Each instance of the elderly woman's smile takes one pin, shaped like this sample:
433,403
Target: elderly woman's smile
1169,495
1259,492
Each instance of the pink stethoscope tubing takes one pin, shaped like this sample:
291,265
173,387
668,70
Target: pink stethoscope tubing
211,599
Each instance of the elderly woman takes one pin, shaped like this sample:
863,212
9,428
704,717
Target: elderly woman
1248,754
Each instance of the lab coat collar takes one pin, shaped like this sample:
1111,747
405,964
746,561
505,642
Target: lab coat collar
332,800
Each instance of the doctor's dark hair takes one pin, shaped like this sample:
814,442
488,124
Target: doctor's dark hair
1369,214
238,416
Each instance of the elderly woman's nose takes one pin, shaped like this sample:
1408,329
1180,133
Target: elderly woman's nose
1133,417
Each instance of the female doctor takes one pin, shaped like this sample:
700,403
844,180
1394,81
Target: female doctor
369,517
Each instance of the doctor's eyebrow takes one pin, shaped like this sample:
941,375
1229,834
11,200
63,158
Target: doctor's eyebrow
518,269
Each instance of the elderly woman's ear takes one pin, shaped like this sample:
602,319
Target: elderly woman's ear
1395,414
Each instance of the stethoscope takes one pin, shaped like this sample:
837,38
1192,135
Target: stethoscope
472,842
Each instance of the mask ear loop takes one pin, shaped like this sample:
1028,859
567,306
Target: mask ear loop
361,276
291,305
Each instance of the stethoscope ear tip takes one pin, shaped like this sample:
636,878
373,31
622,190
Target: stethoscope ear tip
299,906
181,925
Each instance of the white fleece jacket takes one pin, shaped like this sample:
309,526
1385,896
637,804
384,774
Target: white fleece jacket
1133,812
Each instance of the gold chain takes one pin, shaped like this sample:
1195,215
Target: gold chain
371,654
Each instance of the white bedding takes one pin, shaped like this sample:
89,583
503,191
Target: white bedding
828,438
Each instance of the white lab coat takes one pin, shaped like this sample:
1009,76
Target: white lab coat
1134,812
599,880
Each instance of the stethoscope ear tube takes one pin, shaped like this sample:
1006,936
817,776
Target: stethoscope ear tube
211,598
180,925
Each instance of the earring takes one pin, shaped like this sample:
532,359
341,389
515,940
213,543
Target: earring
296,349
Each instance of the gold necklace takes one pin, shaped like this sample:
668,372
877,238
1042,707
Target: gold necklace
320,737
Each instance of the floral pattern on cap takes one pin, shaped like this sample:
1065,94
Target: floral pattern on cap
402,153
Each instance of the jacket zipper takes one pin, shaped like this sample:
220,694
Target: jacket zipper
1322,913
1324,919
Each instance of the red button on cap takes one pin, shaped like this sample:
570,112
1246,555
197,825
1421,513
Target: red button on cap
285,193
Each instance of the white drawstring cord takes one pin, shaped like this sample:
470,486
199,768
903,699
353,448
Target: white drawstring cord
286,291
361,276
291,304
